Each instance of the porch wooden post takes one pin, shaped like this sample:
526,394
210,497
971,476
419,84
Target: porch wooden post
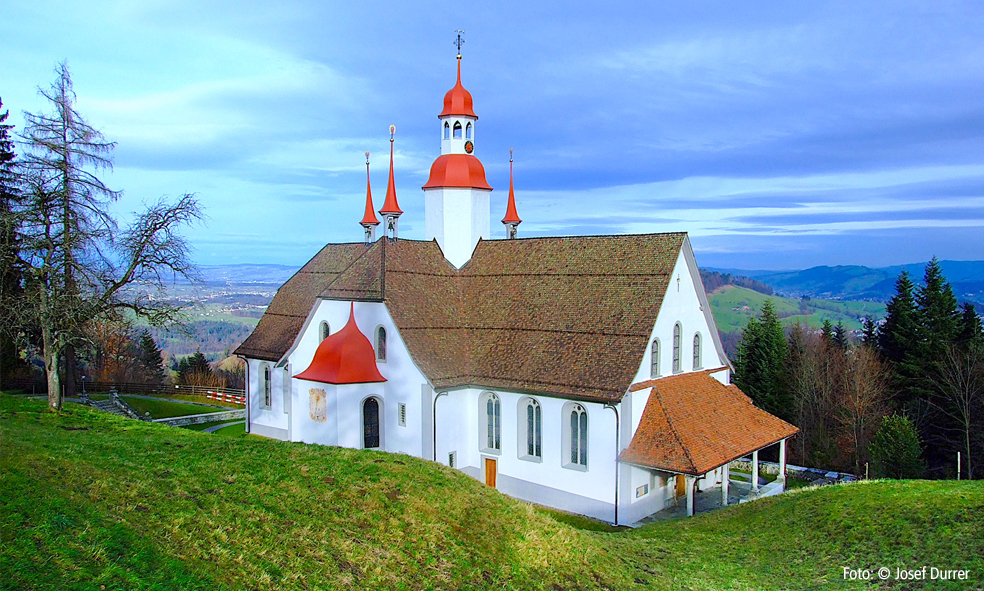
691,501
755,471
725,476
782,464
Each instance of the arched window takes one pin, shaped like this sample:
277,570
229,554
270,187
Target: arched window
578,436
654,359
370,423
447,130
468,131
267,387
325,330
534,429
457,130
697,351
676,347
381,344
491,414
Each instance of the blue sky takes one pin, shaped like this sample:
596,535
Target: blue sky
780,135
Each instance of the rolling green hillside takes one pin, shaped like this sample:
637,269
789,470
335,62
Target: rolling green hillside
733,306
91,501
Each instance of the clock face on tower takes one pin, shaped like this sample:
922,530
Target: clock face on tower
469,147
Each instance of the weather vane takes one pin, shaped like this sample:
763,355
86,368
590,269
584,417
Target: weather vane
459,41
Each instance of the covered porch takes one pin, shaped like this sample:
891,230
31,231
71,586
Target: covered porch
693,427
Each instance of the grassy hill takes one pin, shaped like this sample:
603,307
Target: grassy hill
89,501
732,307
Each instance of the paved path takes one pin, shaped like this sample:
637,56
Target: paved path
223,425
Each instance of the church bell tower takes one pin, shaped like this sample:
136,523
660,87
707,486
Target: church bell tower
456,196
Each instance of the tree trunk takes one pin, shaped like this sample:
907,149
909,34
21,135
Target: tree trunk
51,366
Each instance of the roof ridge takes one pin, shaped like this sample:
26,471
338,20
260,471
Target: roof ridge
669,421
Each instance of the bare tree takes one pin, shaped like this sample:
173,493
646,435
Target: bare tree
862,401
79,266
960,398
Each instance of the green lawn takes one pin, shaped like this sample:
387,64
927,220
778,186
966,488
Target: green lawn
163,408
89,500
231,430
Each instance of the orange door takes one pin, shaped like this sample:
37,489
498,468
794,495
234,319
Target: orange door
490,471
681,485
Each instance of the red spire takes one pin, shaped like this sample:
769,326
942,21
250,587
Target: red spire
511,216
458,101
369,219
391,206
346,357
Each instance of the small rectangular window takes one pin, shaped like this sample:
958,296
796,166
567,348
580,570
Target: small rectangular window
642,491
453,459
403,415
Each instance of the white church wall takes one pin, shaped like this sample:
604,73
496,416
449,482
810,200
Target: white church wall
457,218
553,480
266,420
403,385
644,496
681,305
315,412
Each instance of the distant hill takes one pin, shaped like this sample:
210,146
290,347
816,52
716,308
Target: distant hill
713,280
855,282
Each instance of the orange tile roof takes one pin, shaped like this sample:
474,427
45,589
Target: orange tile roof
693,424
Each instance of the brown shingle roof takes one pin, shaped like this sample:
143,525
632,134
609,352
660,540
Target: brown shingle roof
693,424
568,316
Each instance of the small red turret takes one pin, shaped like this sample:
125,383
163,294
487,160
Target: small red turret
369,220
511,221
391,211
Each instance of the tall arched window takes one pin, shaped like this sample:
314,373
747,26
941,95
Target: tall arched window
381,344
533,429
267,387
697,351
468,131
491,409
447,130
579,436
676,347
370,423
325,330
654,359
457,130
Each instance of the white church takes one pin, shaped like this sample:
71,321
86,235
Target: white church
584,373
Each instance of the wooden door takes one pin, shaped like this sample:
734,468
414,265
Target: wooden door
681,485
490,472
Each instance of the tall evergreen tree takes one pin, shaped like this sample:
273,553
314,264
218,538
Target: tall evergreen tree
151,359
970,333
827,331
840,336
869,332
899,339
760,370
10,276
896,451
936,312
